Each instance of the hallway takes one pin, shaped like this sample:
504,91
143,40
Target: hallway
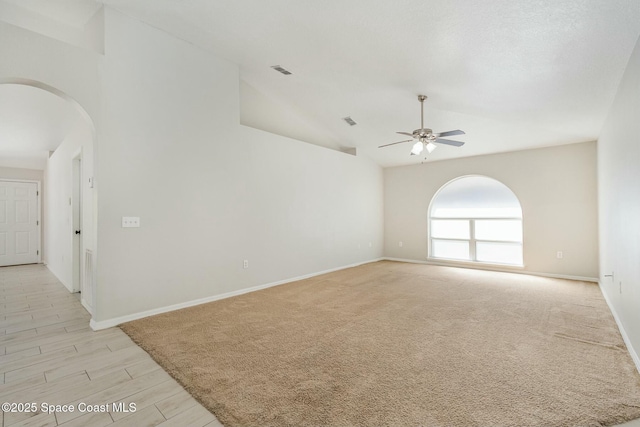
48,354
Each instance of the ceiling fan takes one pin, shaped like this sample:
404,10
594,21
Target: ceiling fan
425,137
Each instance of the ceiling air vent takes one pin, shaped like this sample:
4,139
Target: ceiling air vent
281,70
349,121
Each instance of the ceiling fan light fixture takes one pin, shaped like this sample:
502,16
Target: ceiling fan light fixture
417,148
425,136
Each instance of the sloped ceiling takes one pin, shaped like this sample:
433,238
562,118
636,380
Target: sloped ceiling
512,74
34,122
75,13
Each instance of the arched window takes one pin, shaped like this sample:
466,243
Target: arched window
477,219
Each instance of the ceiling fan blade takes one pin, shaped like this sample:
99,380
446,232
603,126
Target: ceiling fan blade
406,133
449,142
450,133
394,143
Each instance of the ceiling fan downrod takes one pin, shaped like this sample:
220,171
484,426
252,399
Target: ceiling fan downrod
425,138
422,98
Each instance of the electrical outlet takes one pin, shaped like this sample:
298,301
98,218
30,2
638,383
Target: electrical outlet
559,255
400,244
370,244
130,221
245,263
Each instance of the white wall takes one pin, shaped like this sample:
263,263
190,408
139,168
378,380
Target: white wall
261,112
23,160
19,173
556,188
210,192
72,73
59,232
71,70
619,202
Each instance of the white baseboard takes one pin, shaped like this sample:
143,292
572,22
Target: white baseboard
562,276
109,323
69,288
623,332
104,324
506,269
85,305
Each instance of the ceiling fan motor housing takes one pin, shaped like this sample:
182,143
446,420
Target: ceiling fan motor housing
423,133
426,135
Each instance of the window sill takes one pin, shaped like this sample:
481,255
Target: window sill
474,264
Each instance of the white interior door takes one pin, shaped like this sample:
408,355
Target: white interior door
19,229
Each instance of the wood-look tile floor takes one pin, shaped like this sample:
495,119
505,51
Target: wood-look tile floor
48,354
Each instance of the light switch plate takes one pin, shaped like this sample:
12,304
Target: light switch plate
130,221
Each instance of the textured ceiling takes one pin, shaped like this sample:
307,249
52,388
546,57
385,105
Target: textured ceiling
512,74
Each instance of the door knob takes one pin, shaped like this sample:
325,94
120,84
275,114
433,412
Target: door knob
77,231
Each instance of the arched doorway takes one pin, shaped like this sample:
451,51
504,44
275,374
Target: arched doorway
69,199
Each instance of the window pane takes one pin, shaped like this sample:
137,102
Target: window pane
450,249
510,230
501,253
497,212
451,229
475,197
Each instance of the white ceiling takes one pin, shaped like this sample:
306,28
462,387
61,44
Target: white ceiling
75,13
32,120
513,74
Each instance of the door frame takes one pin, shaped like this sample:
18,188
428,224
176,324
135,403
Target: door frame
76,263
38,210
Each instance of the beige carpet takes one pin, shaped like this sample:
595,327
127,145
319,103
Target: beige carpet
393,344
